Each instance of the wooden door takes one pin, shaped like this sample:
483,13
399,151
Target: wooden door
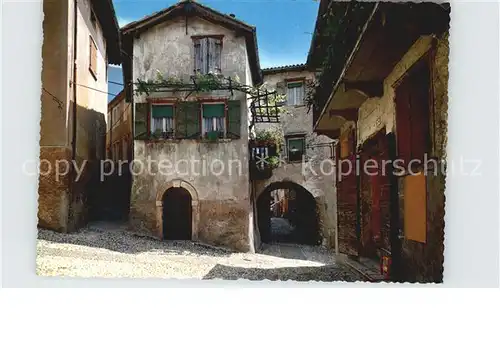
177,214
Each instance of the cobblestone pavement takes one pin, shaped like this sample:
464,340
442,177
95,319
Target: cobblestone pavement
111,251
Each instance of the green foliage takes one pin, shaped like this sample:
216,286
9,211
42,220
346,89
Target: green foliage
270,136
200,82
209,82
273,161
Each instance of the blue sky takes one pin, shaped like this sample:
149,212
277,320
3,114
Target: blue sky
284,27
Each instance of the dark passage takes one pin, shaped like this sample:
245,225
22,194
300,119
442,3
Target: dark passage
177,214
287,214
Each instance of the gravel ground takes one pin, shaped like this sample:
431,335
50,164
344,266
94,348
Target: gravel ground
111,251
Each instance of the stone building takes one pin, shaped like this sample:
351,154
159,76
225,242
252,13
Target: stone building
113,200
119,124
388,103
301,155
80,39
198,185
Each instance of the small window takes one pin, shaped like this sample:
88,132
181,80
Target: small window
207,55
93,58
214,119
295,148
295,93
162,120
93,19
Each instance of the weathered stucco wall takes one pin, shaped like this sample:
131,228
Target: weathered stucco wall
316,174
223,207
56,210
54,145
169,48
92,102
421,262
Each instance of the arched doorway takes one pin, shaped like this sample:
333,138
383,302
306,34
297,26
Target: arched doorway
287,214
177,214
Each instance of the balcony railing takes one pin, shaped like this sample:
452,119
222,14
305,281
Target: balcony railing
260,167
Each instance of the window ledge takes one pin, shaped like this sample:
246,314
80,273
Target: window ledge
225,140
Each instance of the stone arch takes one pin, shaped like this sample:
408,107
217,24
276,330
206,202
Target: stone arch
195,204
307,203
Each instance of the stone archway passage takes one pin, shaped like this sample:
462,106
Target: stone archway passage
287,214
177,214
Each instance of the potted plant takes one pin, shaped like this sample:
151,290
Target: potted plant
272,139
213,135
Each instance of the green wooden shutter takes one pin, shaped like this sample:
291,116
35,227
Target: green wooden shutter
141,121
234,119
187,120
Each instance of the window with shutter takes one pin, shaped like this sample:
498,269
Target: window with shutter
295,93
214,119
295,148
162,119
207,55
93,58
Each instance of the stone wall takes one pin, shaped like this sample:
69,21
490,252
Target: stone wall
222,191
315,177
62,204
53,191
421,262
222,210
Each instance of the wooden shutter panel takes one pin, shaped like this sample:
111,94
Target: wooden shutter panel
211,55
203,68
403,125
198,59
415,207
218,56
234,119
420,113
141,120
187,120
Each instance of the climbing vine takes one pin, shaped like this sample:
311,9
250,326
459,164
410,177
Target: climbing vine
266,105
